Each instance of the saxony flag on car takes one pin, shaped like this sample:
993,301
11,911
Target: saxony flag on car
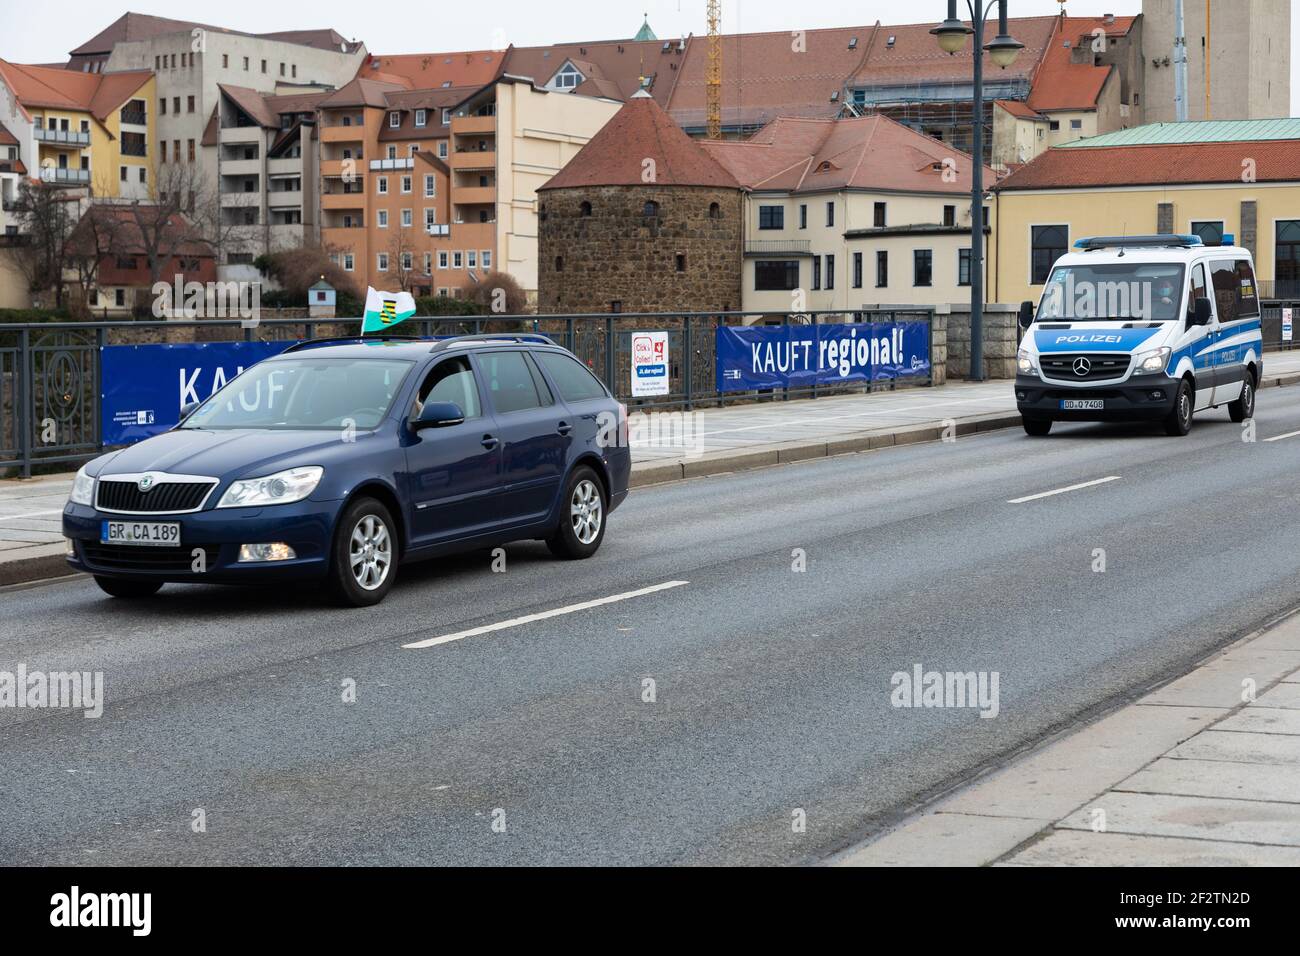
386,309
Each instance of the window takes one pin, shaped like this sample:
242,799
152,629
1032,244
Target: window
381,185
680,260
176,104
451,380
430,183
879,215
421,118
963,267
406,219
263,66
446,119
408,262
430,216
803,215
245,64
458,260
1054,125
382,218
406,185
584,209
189,104
189,151
282,69
1286,269
830,272
857,270
568,77
715,211
830,214
225,61
650,210
778,275
922,267
817,272
185,59
122,176
1076,124
509,381
392,152
442,260
383,262
471,259
119,297
1047,244
950,216
442,149
771,217
162,151
559,263
394,119
485,257
162,106
349,263
572,379
1235,294
428,263
144,174
1211,233
882,269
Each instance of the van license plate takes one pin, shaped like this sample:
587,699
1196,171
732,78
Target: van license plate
1082,405
161,533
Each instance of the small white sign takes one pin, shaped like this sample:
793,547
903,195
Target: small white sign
649,363
1286,325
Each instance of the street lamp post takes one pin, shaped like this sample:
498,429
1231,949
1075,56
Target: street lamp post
1002,50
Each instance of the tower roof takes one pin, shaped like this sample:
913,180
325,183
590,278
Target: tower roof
640,131
645,33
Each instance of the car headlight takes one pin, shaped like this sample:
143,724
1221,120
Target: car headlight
83,488
1148,363
1025,362
282,488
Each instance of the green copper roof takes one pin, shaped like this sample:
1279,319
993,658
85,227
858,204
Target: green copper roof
1204,131
645,33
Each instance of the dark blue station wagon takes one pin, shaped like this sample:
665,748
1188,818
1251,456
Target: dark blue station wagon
338,460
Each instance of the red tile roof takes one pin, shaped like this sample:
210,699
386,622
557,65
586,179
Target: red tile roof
869,152
1020,110
1164,165
614,67
7,138
38,87
427,71
1061,84
641,130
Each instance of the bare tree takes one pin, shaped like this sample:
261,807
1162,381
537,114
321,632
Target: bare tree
101,235
48,215
400,247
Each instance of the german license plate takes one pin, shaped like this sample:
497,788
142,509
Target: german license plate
1082,405
158,533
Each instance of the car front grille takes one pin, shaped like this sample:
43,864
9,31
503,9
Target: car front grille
117,557
166,497
1101,366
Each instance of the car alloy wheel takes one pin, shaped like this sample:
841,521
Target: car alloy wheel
586,511
370,552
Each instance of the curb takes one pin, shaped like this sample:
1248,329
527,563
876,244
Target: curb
35,568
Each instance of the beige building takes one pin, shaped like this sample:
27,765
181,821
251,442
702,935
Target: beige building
1248,67
851,213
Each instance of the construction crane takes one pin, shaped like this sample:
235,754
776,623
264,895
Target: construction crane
713,78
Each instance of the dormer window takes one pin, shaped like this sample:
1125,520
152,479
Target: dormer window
394,119
568,77
421,117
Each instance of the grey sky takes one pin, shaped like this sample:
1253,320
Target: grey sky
36,33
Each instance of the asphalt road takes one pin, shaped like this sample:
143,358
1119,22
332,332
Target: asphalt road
772,686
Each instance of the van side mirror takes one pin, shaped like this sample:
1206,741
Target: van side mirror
188,410
438,415
1026,314
1202,312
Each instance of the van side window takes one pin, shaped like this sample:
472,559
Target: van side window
1198,290
1227,293
451,381
1247,291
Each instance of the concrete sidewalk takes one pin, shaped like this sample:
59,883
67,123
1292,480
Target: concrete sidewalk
1204,771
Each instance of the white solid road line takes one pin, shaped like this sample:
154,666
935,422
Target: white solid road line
1280,437
1061,491
31,514
543,615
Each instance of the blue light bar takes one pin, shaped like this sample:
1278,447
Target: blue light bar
1137,242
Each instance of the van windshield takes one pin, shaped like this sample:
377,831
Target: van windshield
305,393
1120,292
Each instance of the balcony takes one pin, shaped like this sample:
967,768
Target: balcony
384,165
241,200
474,159
473,124
242,134
438,229
284,198
65,177
778,247
62,137
241,167
341,134
343,201
474,195
284,167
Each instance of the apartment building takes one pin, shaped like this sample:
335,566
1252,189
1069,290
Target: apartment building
429,190
851,213
93,131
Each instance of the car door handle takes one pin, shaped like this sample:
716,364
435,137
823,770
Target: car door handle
564,428
489,442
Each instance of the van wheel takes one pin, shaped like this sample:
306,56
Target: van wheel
127,588
1179,420
1244,407
1038,427
582,517
363,558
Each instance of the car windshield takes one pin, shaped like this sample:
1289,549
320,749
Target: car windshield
305,393
1141,291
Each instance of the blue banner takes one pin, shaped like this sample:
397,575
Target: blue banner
799,356
145,386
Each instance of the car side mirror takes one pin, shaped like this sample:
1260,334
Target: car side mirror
1026,314
438,415
188,410
1202,312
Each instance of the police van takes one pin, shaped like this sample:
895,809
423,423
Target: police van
1142,328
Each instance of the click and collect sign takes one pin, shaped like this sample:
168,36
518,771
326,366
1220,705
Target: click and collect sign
649,363
799,356
1286,325
146,386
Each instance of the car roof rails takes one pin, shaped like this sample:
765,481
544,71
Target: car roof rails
493,338
359,339
1165,241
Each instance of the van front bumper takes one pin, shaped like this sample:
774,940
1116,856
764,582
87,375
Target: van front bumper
1146,398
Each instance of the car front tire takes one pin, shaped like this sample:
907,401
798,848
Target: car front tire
363,558
1179,421
1037,427
127,588
1244,407
582,516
